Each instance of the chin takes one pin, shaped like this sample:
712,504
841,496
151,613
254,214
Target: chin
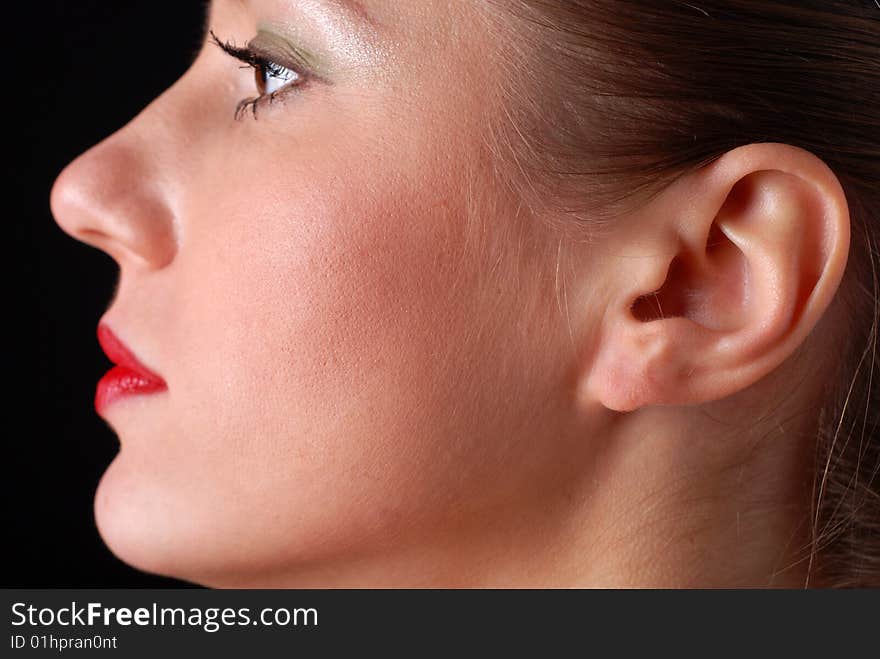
154,527
125,515
146,526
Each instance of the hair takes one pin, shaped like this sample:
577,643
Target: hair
607,102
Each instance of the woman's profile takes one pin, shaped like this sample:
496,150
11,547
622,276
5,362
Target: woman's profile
526,293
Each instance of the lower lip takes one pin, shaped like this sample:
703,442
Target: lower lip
120,382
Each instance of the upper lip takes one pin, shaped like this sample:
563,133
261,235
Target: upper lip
121,355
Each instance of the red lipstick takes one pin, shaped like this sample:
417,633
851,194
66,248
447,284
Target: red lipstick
127,378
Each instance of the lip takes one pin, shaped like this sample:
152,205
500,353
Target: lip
128,377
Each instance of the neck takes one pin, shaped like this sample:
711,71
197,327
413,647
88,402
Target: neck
675,503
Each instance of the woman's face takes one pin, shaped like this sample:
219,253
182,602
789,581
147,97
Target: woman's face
360,336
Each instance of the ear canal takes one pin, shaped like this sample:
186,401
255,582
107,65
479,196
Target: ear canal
704,286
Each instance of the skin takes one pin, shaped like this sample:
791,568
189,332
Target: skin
372,377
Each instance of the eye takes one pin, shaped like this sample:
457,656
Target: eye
271,76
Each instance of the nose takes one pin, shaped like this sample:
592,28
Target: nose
110,197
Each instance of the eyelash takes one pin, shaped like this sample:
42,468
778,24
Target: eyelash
258,63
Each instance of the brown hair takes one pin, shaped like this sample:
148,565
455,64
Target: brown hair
607,102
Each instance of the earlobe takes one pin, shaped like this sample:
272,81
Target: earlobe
755,263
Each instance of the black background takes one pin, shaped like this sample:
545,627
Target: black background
75,71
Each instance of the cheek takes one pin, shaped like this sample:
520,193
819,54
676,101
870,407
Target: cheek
334,361
327,295
323,312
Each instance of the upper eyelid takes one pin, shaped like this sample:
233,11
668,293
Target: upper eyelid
244,54
254,54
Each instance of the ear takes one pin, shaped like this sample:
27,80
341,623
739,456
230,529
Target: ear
737,262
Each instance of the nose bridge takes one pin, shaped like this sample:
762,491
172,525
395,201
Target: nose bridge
113,197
